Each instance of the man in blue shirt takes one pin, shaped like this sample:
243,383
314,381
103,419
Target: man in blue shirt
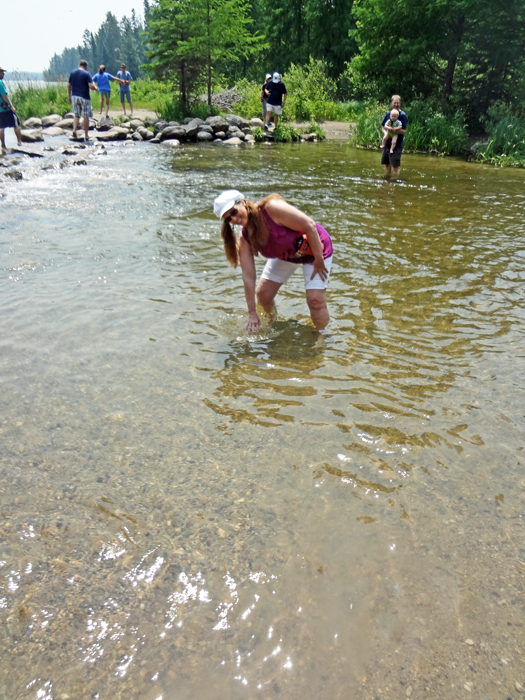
392,161
125,90
78,87
276,93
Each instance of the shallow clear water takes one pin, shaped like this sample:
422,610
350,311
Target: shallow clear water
187,511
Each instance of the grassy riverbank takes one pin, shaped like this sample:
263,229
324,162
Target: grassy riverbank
31,100
312,99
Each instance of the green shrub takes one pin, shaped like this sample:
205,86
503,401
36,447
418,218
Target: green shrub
431,130
368,133
171,109
32,101
39,101
150,94
285,133
428,128
250,105
506,143
258,133
316,129
311,95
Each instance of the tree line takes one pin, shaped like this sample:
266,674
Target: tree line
463,54
114,43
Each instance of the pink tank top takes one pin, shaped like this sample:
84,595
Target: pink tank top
282,242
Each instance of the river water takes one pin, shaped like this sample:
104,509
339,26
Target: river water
187,511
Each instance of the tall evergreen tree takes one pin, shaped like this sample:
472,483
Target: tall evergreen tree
113,43
448,48
188,38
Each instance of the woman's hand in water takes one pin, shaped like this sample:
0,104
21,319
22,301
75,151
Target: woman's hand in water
254,322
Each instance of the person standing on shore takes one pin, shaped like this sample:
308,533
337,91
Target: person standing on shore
102,80
8,118
391,158
125,90
78,87
276,92
264,95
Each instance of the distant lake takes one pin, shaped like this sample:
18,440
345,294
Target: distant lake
15,81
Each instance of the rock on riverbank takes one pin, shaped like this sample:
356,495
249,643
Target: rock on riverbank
44,138
232,129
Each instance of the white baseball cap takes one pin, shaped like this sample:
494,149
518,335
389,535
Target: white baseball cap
276,77
226,200
268,75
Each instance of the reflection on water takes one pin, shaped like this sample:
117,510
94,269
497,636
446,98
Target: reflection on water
188,511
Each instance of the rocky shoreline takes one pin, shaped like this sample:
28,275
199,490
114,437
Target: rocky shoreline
231,130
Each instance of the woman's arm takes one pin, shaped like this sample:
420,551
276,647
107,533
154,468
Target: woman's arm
8,101
286,215
248,277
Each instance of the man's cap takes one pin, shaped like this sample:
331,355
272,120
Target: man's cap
3,70
268,75
276,77
225,201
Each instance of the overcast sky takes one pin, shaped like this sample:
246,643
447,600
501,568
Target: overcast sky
33,31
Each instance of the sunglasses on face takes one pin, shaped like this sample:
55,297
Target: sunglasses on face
233,213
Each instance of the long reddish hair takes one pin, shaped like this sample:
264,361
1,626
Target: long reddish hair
255,229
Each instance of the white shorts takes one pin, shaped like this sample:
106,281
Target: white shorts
274,108
280,271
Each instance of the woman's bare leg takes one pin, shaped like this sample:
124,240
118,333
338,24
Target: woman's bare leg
316,300
266,292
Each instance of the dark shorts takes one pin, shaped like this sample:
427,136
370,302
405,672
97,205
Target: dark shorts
393,159
125,93
8,119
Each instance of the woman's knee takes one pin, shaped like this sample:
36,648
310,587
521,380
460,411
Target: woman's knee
266,291
316,300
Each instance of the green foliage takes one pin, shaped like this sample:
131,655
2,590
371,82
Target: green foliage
149,92
32,101
298,29
285,133
311,93
190,38
466,53
316,129
250,105
428,129
172,109
506,143
258,134
367,133
350,110
39,101
431,130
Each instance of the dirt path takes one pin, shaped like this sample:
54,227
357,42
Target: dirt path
116,113
335,131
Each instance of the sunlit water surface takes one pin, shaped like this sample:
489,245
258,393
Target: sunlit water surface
190,512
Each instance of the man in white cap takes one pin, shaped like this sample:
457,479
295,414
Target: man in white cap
276,98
